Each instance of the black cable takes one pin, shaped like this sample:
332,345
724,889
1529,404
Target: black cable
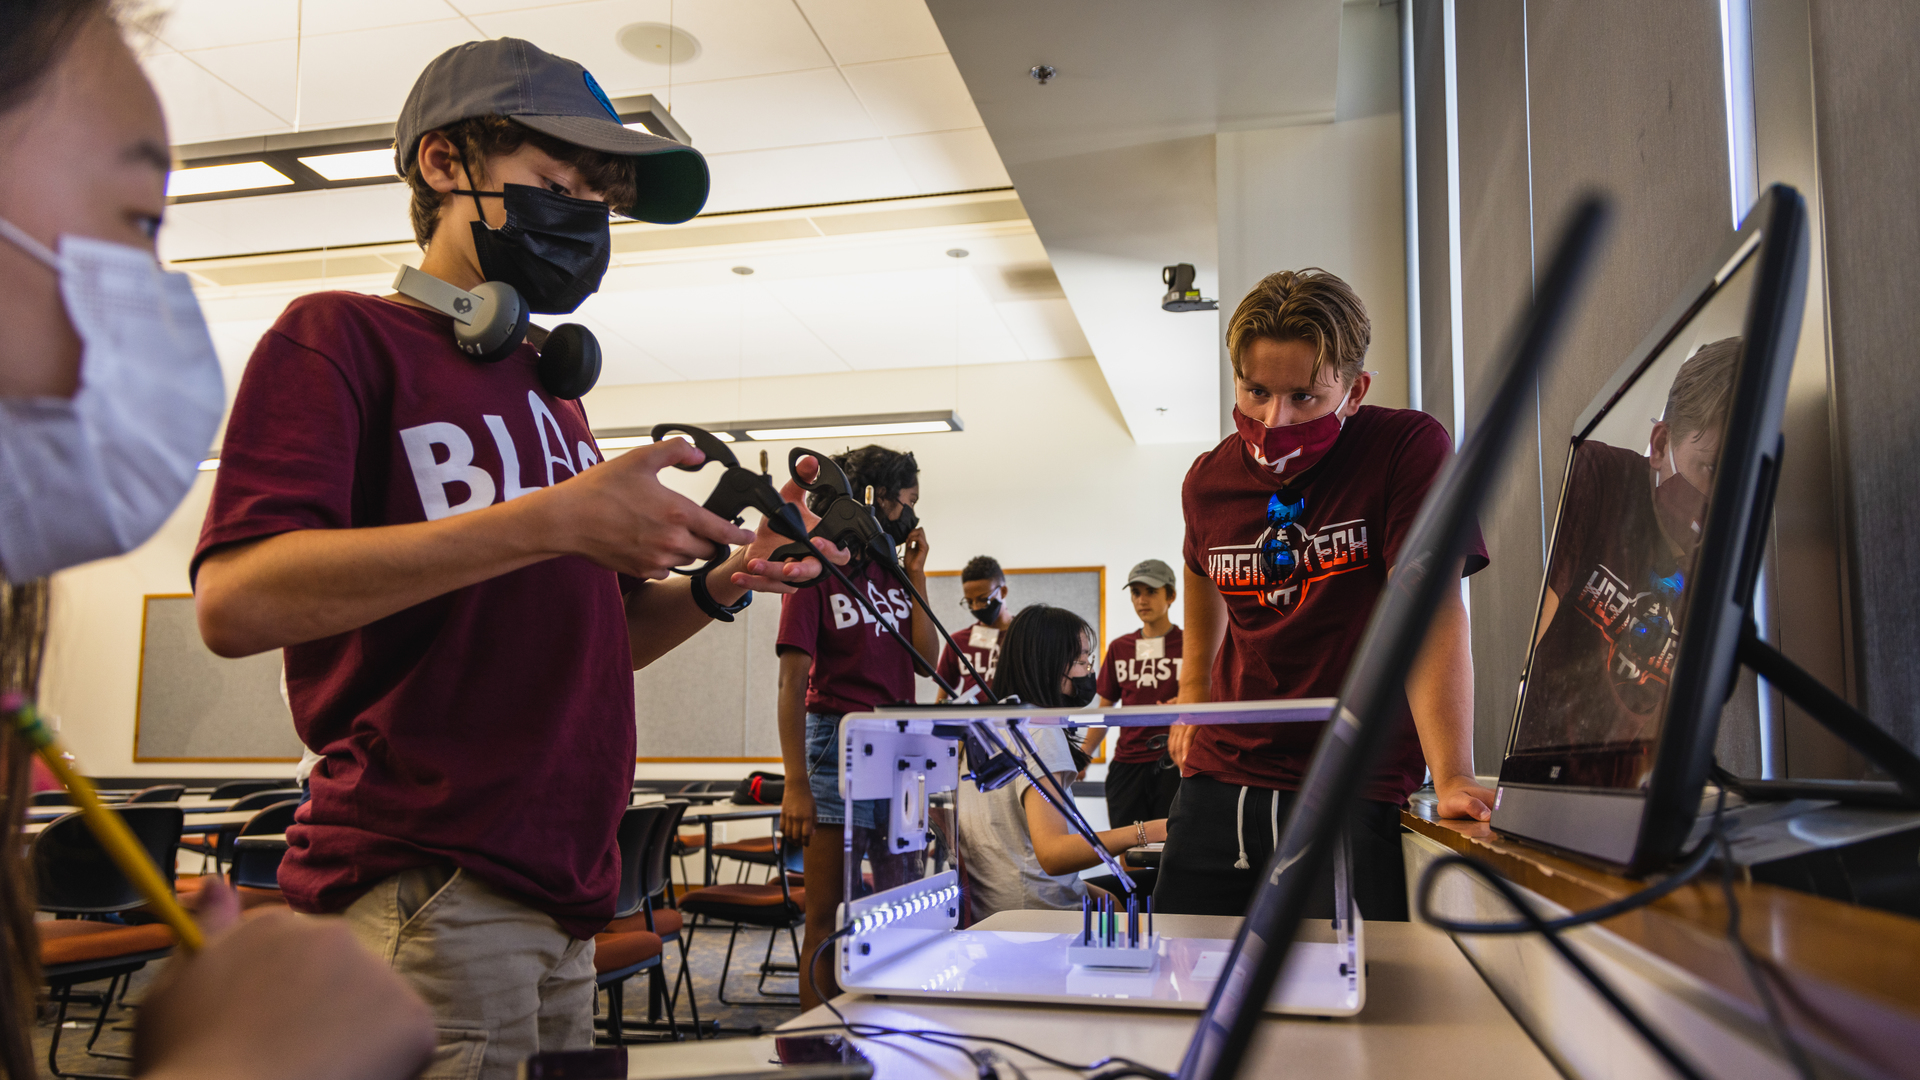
1789,1045
1696,862
940,1038
1540,926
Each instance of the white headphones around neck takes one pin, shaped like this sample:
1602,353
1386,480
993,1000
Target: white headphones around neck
490,322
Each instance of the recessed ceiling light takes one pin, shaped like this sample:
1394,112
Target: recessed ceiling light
743,271
657,43
241,176
957,253
356,165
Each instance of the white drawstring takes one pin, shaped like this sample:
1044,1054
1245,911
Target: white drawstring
1240,831
1275,822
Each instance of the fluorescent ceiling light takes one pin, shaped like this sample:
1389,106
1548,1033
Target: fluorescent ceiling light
356,165
240,176
628,442
849,431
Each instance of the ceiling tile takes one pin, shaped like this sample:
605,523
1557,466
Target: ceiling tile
856,31
363,77
1045,329
263,71
291,222
200,24
794,109
908,97
804,175
951,160
734,329
199,106
737,38
925,318
344,16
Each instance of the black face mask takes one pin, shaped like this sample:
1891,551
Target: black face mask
1082,692
553,250
987,614
901,527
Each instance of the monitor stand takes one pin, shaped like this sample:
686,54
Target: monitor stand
1834,713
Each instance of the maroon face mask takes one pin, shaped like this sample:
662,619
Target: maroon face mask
1291,449
1681,508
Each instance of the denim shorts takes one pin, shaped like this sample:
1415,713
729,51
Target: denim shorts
823,775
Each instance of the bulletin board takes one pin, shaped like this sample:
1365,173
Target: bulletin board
1080,589
194,706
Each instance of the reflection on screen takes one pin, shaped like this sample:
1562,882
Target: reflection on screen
1623,550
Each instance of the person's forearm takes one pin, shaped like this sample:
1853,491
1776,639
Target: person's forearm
791,715
1094,736
1069,853
925,637
1206,627
662,614
315,583
1440,693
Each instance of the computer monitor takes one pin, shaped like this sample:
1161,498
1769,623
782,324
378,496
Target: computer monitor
1427,568
1654,557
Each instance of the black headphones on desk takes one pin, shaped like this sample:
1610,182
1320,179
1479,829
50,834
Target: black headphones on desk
490,322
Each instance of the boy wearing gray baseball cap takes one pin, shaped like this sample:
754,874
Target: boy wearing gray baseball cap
461,584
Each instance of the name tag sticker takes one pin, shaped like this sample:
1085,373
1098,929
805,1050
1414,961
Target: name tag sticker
984,637
1150,648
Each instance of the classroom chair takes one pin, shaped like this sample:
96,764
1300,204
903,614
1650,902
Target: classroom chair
617,958
774,906
253,873
219,846
239,789
645,902
51,798
79,883
158,793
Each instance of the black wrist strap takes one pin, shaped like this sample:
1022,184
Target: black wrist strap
712,607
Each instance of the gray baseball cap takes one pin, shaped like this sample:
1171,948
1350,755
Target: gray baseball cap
554,96
1153,573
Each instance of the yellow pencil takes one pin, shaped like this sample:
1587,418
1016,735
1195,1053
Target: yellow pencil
112,832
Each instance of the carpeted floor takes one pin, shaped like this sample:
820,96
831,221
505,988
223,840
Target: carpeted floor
704,961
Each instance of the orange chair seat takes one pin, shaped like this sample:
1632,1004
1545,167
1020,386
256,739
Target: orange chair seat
666,922
188,886
762,896
693,840
611,952
758,845
70,941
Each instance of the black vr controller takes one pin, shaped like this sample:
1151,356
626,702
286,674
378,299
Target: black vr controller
845,519
739,490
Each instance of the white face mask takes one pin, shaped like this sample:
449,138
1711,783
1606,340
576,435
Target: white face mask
96,475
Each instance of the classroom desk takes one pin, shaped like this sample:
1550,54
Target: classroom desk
1428,1015
199,823
726,811
187,806
1845,976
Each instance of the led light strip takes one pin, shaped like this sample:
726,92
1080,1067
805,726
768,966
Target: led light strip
900,909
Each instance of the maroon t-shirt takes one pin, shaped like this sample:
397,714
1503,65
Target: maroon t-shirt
490,728
857,666
1600,672
1130,678
982,646
1300,568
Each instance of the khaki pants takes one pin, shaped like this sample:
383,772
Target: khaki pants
503,980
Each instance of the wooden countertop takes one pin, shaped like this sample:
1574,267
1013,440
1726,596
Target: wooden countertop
1843,973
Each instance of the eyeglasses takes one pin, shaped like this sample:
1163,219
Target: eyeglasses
968,605
1082,666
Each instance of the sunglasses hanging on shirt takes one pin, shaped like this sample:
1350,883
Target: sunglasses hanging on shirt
491,321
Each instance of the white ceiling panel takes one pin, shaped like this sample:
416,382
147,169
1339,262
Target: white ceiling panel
804,175
909,97
363,77
734,329
857,31
263,71
916,318
292,222
199,106
621,361
345,16
1045,329
770,111
951,160
200,24
737,38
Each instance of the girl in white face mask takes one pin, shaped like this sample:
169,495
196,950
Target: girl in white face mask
109,396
